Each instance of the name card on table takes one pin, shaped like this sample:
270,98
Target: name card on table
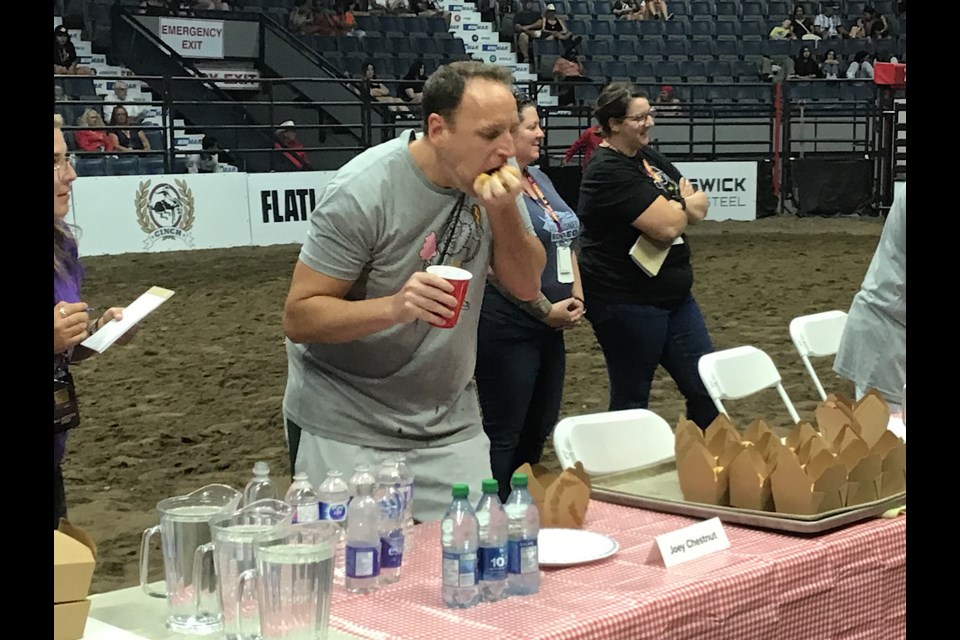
690,543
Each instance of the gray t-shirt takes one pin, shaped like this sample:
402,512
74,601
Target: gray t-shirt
378,221
873,348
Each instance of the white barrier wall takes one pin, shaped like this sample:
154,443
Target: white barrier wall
731,187
148,214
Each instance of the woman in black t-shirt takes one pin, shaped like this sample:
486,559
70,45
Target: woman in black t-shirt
634,206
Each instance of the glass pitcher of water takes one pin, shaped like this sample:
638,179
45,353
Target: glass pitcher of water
232,548
192,607
294,580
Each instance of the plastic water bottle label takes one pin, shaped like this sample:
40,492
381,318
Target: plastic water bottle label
363,562
305,513
391,550
523,556
335,511
459,569
493,563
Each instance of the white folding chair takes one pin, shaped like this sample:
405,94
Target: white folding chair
815,335
740,372
613,441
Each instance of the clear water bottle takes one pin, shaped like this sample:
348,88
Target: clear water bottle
406,488
460,539
523,520
260,486
363,542
492,519
334,496
303,500
390,501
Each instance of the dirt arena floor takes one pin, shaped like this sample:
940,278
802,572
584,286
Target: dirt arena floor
196,398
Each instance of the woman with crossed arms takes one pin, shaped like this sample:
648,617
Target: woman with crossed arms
630,192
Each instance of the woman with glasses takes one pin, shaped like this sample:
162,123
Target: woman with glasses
635,260
72,323
520,350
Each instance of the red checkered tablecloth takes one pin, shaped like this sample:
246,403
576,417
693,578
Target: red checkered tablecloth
850,584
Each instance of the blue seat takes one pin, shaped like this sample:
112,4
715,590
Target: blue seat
666,70
693,71
436,24
719,93
579,8
125,165
745,71
625,47
726,8
861,91
625,28
717,69
855,9
349,45
702,10
91,166
593,69
679,7
676,27
578,27
701,50
427,46
727,28
179,164
753,94
601,28
391,23
399,45
368,23
754,29
376,44
676,50
602,8
702,28
753,8
155,138
600,48
753,49
642,69
615,70
151,165
650,48
726,50
787,48
547,48
651,28
779,11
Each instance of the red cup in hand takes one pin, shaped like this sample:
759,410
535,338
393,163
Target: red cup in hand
459,278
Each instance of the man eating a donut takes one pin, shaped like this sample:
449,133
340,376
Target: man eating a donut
369,371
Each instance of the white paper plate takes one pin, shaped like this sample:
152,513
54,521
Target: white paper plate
567,547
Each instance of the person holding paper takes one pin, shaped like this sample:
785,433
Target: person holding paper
368,369
873,347
635,260
72,323
521,357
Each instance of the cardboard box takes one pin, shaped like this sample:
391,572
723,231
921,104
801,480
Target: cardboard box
74,558
848,458
562,500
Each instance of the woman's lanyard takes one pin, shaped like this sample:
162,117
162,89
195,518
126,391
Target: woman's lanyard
542,201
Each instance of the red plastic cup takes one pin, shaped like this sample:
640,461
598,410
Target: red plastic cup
459,278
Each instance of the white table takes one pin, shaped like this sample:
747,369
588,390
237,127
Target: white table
130,614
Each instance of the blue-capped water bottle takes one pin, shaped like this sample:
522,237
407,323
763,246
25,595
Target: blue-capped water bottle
363,541
492,519
523,520
460,539
390,501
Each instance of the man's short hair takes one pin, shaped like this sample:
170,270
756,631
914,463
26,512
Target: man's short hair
120,84
443,90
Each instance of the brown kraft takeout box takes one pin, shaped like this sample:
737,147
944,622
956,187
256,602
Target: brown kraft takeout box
74,557
849,458
562,499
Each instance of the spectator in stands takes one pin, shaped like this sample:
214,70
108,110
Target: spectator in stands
527,24
380,92
488,10
884,55
301,18
285,138
801,26
667,102
126,139
623,8
655,10
805,65
65,55
826,24
399,7
868,25
567,70
411,89
584,145
783,31
208,160
830,65
553,27
860,67
120,93
91,136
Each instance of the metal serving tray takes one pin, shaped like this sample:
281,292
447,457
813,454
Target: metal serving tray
657,488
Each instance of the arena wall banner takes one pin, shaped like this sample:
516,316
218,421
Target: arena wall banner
280,204
193,38
150,214
731,187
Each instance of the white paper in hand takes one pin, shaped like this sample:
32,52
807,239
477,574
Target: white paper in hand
132,314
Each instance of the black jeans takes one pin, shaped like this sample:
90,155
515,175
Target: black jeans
293,444
520,371
635,338
59,497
